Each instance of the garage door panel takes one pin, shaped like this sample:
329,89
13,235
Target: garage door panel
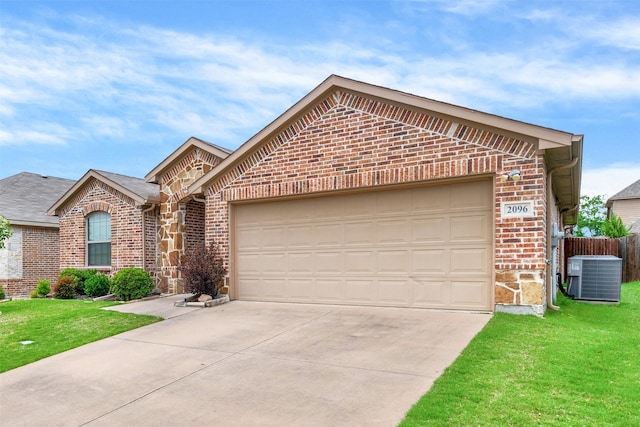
300,263
432,261
250,238
429,199
249,263
397,262
300,288
473,195
472,260
361,291
394,232
429,230
394,292
300,236
328,235
429,293
274,238
417,247
363,262
273,263
329,290
358,205
468,293
274,289
359,233
469,228
393,203
329,262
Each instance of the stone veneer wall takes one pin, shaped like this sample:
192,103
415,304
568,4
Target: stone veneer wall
180,217
348,141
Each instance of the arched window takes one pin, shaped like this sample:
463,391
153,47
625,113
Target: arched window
99,238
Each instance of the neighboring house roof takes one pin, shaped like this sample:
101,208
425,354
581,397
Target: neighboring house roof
167,163
560,148
635,227
25,198
630,192
143,193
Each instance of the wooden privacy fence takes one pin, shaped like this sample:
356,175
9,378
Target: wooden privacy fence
627,248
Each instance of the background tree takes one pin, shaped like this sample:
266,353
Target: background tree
614,227
5,230
593,213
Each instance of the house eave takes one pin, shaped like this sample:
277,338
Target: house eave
543,138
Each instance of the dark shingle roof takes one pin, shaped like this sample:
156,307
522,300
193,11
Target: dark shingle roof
25,198
138,186
630,192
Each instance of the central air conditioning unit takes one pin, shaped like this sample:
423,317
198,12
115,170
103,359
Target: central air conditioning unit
595,277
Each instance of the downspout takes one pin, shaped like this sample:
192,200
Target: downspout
144,234
550,249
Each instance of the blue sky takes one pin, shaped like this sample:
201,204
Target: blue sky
119,85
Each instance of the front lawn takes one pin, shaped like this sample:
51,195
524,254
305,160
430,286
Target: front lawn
579,366
55,326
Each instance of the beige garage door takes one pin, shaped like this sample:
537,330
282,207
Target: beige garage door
409,247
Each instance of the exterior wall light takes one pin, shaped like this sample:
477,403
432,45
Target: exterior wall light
514,175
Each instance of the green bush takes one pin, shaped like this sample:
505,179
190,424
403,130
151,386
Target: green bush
80,275
65,288
2,296
97,285
131,283
614,227
43,289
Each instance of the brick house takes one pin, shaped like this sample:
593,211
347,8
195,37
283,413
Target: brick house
364,195
108,222
32,252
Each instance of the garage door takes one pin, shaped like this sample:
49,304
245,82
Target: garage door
409,247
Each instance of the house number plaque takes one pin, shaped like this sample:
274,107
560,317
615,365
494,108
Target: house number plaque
517,209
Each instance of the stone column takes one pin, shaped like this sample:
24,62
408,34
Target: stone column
172,244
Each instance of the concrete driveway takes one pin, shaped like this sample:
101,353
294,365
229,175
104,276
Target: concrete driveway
244,364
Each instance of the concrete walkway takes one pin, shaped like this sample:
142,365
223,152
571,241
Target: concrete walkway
244,364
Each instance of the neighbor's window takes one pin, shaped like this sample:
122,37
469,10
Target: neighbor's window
99,238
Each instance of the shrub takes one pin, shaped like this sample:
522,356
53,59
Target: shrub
614,227
203,270
80,275
2,296
65,288
97,285
131,283
44,288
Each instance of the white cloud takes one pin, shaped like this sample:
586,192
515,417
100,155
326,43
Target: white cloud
610,179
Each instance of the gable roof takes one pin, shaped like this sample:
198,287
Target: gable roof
143,193
561,148
630,192
27,196
174,157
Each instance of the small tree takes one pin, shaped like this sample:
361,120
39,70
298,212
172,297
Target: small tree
5,230
614,227
593,213
203,270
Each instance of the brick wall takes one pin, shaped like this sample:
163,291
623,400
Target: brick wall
348,141
126,227
40,248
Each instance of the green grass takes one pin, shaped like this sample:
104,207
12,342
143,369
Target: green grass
576,367
55,326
